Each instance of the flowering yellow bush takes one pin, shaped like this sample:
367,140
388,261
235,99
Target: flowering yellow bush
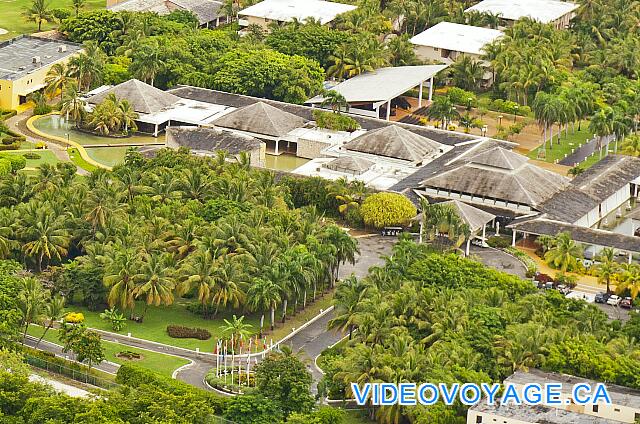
387,209
74,317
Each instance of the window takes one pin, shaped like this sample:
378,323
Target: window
595,408
479,419
616,409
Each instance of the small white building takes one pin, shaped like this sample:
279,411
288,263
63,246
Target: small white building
556,12
282,11
446,41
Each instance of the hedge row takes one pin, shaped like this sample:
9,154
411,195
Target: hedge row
181,332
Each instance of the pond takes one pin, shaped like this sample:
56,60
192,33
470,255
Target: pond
284,162
56,126
110,156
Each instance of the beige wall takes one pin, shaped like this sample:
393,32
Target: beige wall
310,149
472,418
254,20
10,90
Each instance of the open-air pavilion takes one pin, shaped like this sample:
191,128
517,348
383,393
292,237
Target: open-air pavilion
370,92
475,218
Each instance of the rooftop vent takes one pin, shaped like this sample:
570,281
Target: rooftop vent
35,59
62,48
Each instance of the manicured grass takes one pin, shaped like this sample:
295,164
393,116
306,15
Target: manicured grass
558,151
356,416
163,364
12,20
46,156
78,161
154,326
110,156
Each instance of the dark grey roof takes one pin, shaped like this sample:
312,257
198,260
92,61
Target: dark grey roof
238,100
261,118
607,176
470,215
349,164
17,54
205,10
395,142
620,395
475,175
537,414
586,235
200,139
143,97
568,205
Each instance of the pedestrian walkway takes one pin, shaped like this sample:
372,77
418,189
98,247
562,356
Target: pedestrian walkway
60,387
584,151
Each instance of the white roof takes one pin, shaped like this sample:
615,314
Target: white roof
544,11
288,10
457,37
187,111
383,84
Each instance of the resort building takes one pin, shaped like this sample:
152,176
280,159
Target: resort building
447,41
282,11
24,64
158,109
374,94
555,12
203,141
208,12
624,407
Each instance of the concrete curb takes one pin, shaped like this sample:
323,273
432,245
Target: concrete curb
81,150
179,369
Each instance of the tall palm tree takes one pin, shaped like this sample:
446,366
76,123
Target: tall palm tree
335,101
564,254
346,302
601,124
198,271
263,296
146,63
630,281
31,299
38,12
607,267
77,5
467,72
88,67
631,145
71,104
157,281
56,79
127,116
53,311
443,110
236,329
43,235
121,274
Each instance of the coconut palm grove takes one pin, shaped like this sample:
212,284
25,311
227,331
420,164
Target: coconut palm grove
232,211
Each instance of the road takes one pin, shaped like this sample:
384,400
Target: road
308,343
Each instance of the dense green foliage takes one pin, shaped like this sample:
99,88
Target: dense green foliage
387,209
442,318
335,121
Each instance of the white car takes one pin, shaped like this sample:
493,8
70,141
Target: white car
614,300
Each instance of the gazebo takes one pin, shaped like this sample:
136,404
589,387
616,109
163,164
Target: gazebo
475,218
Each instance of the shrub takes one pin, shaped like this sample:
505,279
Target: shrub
498,242
181,332
219,207
387,209
12,146
544,278
41,145
5,166
74,317
31,155
17,162
334,121
41,109
116,318
461,97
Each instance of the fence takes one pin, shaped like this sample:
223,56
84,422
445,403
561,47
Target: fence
69,372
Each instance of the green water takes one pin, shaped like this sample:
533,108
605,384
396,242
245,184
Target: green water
55,125
284,162
110,156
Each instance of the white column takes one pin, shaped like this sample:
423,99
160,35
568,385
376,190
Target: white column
467,249
389,110
497,228
484,229
630,257
420,94
155,132
378,111
430,88
421,230
513,239
276,149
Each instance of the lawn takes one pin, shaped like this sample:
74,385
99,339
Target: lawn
157,318
163,364
75,157
559,151
46,156
11,15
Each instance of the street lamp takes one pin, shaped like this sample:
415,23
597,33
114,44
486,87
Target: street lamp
515,112
500,120
469,100
484,130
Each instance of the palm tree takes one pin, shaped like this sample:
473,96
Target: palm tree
564,254
43,235
346,302
236,329
467,72
157,281
630,281
39,12
53,311
87,68
607,268
199,271
56,79
443,110
31,302
263,295
631,145
601,124
146,63
127,116
71,104
335,101
121,273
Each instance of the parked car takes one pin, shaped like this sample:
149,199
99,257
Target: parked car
614,300
602,297
626,303
563,289
548,286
